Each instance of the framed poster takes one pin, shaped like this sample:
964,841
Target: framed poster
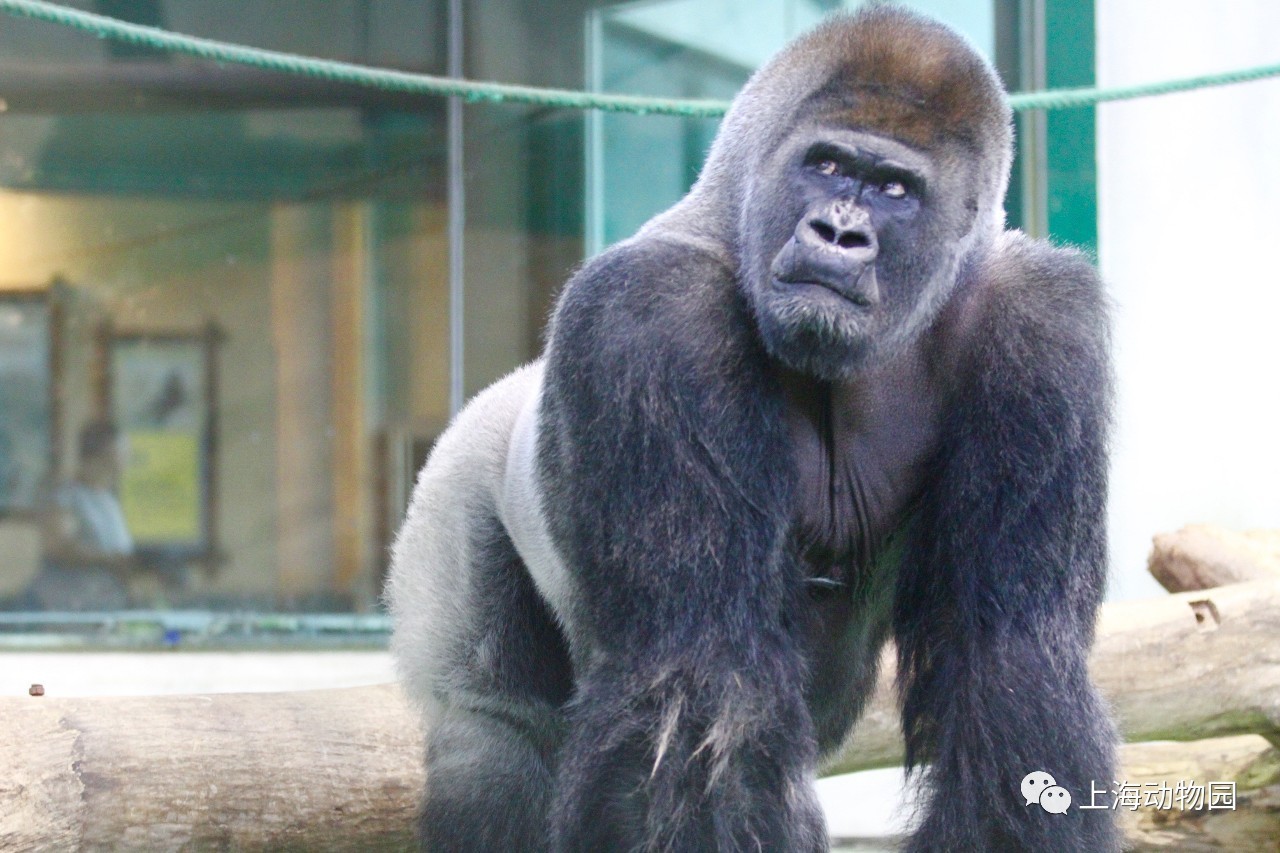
28,398
160,390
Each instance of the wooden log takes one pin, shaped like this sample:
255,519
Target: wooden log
311,770
340,769
1202,556
1249,761
1189,666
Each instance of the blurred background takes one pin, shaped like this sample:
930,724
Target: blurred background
237,307
273,292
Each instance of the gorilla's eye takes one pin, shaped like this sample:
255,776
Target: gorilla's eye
827,167
893,189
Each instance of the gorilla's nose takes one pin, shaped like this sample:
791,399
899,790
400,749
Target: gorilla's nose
840,226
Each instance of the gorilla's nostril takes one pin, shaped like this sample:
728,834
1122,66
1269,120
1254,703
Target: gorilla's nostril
824,231
829,234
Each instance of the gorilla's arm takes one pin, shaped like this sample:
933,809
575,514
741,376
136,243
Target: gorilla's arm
996,600
662,453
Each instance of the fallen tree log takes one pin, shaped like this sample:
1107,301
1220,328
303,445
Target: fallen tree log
1249,761
1189,666
340,769
1203,556
309,770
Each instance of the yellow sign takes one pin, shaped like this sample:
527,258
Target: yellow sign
160,487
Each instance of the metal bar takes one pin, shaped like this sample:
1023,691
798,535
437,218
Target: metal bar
457,218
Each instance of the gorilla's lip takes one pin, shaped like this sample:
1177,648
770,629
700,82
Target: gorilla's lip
844,290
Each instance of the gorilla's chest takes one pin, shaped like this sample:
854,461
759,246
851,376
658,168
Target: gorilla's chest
860,451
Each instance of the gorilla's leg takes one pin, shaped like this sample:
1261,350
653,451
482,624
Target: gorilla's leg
844,637
491,749
488,783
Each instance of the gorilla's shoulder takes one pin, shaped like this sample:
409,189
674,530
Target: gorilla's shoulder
1044,331
1050,283
650,272
647,293
1041,293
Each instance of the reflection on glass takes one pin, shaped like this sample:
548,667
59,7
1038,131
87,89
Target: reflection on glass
254,294
253,272
88,551
26,399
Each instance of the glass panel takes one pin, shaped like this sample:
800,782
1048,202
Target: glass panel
640,165
524,182
26,399
248,274
252,280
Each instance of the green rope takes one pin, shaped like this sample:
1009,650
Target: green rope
427,84
1062,98
347,72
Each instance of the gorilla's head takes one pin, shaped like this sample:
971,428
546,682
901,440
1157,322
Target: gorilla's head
865,162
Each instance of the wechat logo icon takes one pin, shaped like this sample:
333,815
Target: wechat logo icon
1040,787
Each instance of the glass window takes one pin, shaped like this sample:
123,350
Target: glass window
238,278
693,49
237,307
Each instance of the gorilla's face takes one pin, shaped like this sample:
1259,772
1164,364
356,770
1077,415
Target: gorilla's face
851,249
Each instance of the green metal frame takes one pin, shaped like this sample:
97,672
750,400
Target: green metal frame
1071,134
1043,44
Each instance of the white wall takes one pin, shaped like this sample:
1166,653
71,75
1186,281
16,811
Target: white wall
1189,241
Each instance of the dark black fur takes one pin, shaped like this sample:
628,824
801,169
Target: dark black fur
996,599
725,456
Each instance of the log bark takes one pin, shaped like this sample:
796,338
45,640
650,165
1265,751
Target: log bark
1248,760
1203,556
1189,666
340,769
311,770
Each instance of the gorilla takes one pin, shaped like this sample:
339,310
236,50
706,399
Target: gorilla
823,401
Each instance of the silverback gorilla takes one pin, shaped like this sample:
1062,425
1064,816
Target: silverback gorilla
824,400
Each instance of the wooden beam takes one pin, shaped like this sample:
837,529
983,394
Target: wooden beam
300,327
353,476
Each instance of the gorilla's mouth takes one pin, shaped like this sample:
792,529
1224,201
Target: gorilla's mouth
853,292
806,272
